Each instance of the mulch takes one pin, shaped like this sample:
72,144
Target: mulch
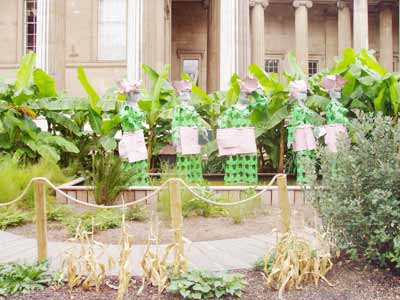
352,282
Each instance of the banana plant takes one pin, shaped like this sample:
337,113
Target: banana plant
154,104
19,134
104,124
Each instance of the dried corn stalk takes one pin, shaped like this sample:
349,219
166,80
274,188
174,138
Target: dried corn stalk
293,262
154,263
123,262
84,268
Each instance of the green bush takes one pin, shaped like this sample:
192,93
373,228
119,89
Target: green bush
360,198
11,217
98,220
136,213
204,285
23,278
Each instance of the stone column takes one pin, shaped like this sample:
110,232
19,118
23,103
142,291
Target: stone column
134,53
360,25
50,40
386,36
344,26
257,24
154,24
301,32
213,48
234,39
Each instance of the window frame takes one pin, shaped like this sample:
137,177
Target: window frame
314,59
184,54
97,39
25,27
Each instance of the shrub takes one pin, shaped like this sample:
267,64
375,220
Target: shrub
204,285
136,213
56,212
10,217
360,198
97,220
22,278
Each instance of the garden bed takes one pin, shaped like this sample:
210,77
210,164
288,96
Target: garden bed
269,198
351,283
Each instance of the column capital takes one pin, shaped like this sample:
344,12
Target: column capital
305,3
263,3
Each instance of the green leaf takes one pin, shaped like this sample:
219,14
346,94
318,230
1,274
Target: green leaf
369,60
63,121
151,72
24,75
108,125
379,101
349,58
186,76
295,71
366,80
95,121
59,141
94,98
44,83
108,143
317,102
22,95
265,80
48,152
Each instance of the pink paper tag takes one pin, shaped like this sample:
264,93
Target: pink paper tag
332,132
132,146
304,138
233,141
189,141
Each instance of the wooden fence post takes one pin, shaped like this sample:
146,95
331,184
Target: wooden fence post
284,204
177,224
41,219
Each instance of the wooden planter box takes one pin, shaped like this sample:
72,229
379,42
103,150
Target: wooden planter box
133,193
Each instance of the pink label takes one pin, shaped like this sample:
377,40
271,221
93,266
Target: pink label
233,141
304,138
132,146
332,132
189,141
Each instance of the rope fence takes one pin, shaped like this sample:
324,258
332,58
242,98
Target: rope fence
174,185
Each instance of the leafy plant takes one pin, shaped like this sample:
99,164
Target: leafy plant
19,135
108,177
153,103
204,285
23,278
11,216
136,213
97,220
360,197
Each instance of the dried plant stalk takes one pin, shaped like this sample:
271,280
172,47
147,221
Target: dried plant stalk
293,262
123,262
154,263
85,267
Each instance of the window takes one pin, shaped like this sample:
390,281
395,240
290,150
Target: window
30,12
272,66
191,67
313,67
112,30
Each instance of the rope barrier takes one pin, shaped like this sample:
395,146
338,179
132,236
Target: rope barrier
151,195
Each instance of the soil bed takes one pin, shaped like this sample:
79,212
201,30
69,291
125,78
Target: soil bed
351,283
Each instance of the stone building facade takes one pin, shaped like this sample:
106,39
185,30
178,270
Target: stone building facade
214,38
